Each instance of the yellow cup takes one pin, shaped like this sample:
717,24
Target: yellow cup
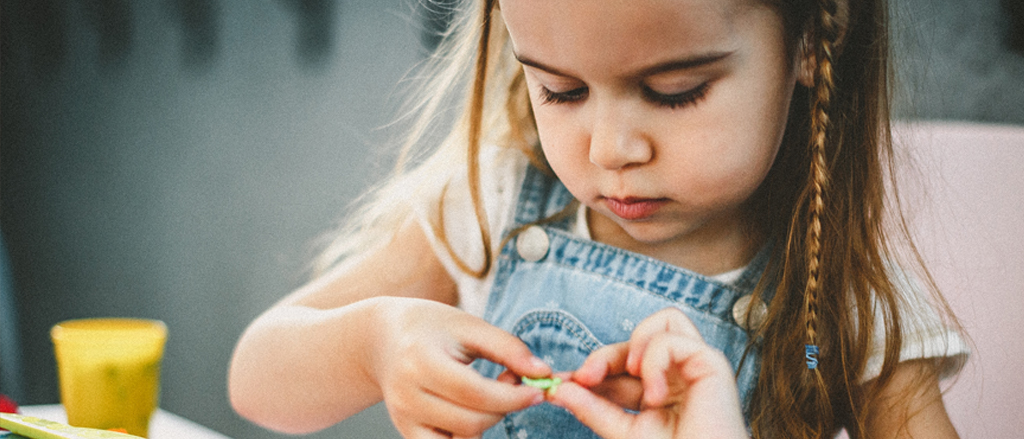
109,371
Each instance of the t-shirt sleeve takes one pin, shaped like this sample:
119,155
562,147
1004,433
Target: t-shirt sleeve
925,334
501,173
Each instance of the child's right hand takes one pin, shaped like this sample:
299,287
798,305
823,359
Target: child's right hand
422,369
681,386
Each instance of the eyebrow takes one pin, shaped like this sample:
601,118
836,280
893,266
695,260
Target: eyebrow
667,66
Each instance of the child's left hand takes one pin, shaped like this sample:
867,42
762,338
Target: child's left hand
685,389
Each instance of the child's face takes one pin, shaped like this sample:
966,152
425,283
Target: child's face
663,116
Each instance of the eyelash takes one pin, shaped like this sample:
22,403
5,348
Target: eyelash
671,101
563,97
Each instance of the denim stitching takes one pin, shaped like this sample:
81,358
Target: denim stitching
567,322
680,287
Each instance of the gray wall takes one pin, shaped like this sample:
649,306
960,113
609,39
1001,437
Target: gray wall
178,159
183,174
954,59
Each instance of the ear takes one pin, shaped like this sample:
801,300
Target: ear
806,62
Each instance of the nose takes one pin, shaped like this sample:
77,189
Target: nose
617,141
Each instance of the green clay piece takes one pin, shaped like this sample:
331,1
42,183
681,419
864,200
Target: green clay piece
548,384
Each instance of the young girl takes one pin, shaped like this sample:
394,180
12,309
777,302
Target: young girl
674,206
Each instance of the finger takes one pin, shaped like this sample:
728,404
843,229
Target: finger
443,415
507,377
606,361
683,372
624,390
417,431
459,420
662,352
673,363
607,419
458,382
494,344
668,320
564,376
604,373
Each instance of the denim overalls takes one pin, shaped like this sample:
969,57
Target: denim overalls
565,296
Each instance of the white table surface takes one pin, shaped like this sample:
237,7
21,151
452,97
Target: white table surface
163,424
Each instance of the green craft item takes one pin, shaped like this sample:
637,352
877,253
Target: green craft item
547,384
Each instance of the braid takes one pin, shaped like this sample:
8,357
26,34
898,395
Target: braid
818,177
823,88
825,206
827,31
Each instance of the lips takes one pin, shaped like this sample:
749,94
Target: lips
634,209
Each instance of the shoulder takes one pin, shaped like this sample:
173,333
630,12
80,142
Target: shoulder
447,215
442,194
501,176
927,331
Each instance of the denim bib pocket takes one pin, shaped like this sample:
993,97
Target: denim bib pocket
564,343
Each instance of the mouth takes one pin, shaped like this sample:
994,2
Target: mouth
634,209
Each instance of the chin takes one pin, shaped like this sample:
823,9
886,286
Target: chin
649,232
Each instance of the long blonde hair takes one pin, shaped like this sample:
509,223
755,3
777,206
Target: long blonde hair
824,204
472,74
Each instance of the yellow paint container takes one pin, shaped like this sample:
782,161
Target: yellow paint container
109,371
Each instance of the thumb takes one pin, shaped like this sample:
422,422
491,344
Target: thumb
606,418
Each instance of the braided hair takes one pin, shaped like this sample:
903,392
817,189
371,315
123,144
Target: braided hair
818,181
822,204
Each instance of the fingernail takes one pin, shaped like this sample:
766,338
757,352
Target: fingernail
552,389
537,400
551,396
538,363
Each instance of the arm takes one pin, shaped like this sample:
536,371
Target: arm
910,406
383,328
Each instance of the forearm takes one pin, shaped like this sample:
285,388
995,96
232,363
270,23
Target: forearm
298,369
310,361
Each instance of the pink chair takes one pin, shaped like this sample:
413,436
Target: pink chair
967,210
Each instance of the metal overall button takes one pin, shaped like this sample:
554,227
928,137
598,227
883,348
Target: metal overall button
533,244
758,312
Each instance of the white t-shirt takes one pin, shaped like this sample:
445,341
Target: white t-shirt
925,335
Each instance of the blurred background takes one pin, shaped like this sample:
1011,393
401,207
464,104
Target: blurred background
180,159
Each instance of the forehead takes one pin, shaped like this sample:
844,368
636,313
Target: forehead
624,33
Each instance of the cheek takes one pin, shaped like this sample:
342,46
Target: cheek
738,137
750,170
557,131
564,147
727,144
742,168
565,161
721,164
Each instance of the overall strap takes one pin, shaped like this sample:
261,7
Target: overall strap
542,195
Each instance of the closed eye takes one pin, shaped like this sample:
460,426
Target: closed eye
563,97
676,100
